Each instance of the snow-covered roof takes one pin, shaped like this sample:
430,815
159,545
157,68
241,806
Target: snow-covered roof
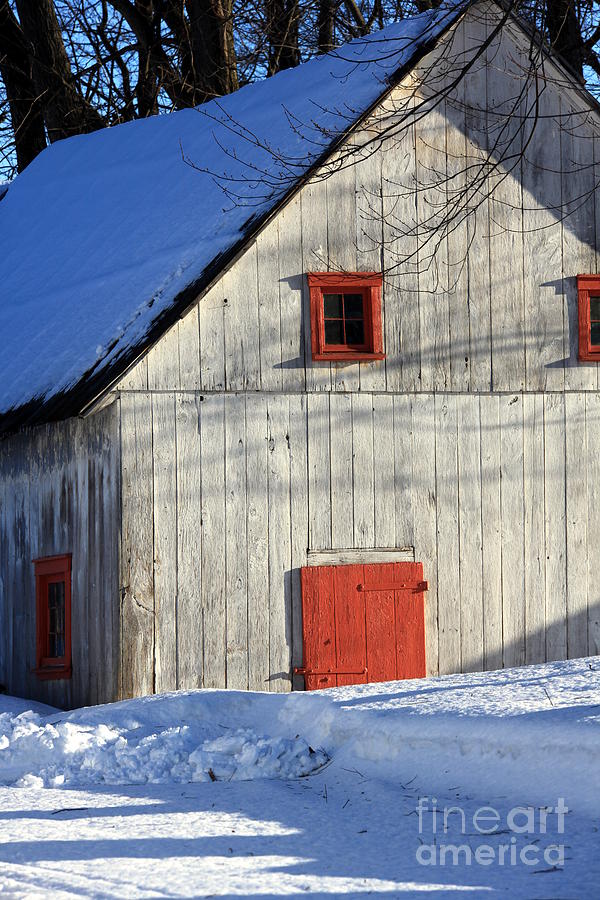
106,238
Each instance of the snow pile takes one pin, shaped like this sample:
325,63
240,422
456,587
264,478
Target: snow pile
473,767
39,753
530,733
102,231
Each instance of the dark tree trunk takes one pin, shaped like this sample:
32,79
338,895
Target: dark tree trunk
282,19
564,32
173,14
213,51
146,89
156,69
15,70
65,110
325,25
423,5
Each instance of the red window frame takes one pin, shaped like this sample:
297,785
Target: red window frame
587,286
52,570
366,283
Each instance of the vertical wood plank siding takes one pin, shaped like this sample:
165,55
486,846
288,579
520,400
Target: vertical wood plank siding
472,477
60,493
502,317
475,441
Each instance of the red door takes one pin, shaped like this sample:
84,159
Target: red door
363,623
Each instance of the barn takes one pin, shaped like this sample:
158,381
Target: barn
301,388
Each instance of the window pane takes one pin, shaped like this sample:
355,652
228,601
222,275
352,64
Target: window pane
595,309
332,304
56,646
596,334
353,306
334,331
56,619
355,331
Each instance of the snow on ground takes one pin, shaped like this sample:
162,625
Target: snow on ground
14,706
498,755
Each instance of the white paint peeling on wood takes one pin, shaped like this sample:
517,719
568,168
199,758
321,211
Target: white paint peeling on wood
511,499
491,518
505,109
459,178
298,519
165,516
211,313
291,280
342,512
399,249
269,309
213,553
448,564
314,259
556,525
576,489
257,548
280,554
424,511
434,316
189,542
592,410
534,505
470,537
543,262
383,471
363,478
188,335
236,568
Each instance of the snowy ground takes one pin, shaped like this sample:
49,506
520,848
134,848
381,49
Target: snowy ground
361,824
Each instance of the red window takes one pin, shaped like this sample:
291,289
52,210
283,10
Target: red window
53,616
588,292
362,623
346,315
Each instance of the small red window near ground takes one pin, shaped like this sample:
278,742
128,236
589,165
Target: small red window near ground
53,617
346,315
588,292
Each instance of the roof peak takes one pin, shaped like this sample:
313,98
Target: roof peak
107,237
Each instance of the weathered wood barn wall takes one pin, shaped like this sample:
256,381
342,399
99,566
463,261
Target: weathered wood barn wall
474,442
473,446
59,493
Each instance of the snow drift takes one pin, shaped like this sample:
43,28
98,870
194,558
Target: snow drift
529,733
38,753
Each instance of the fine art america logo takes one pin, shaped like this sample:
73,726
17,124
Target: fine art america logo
490,837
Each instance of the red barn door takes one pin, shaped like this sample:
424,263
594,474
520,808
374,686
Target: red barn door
362,623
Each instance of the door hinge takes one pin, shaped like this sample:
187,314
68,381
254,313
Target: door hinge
416,586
